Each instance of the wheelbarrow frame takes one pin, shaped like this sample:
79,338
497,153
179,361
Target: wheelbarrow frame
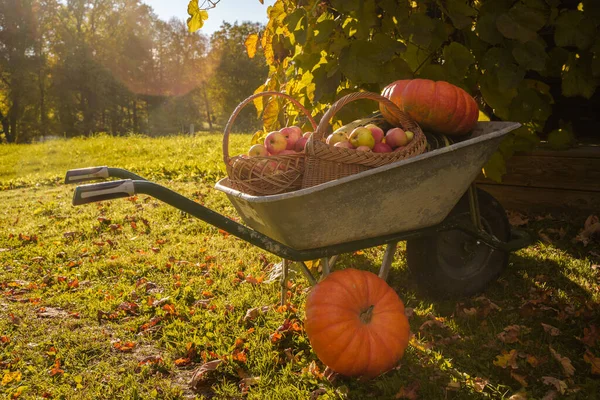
132,184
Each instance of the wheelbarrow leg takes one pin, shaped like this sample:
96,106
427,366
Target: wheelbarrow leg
284,281
326,267
388,257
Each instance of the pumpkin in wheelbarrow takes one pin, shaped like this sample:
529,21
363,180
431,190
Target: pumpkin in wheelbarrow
356,323
438,106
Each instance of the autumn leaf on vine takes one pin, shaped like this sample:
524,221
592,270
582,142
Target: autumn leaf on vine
197,16
251,44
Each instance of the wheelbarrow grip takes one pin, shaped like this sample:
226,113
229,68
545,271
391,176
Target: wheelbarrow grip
85,194
95,173
86,174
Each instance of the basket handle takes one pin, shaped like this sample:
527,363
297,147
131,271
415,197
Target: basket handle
399,117
250,99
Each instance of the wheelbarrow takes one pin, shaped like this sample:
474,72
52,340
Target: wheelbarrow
458,237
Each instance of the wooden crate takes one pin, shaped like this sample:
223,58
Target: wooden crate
547,180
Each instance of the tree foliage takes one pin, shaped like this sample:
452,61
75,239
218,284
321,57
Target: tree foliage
523,60
77,67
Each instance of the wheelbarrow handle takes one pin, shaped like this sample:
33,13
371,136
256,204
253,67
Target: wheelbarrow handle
96,173
85,194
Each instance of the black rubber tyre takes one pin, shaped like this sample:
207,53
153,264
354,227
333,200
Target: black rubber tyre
452,263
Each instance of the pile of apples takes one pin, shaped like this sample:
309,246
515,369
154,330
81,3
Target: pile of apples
371,138
288,140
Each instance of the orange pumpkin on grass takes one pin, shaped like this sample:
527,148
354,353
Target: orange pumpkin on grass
437,106
356,323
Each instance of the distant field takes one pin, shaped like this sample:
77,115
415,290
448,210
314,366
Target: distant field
129,299
180,158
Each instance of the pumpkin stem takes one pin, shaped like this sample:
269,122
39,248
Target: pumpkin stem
367,314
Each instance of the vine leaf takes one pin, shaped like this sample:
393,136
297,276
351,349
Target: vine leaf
573,29
460,13
458,59
511,29
531,55
577,79
271,115
486,29
494,169
251,44
197,16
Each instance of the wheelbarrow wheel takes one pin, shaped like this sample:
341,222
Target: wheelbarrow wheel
452,263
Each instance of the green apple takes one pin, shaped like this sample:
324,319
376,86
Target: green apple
362,136
336,137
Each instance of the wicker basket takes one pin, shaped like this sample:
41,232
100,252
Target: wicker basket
261,176
325,163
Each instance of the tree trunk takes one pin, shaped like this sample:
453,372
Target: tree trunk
136,127
208,113
6,128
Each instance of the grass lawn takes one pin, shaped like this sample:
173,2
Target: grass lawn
133,299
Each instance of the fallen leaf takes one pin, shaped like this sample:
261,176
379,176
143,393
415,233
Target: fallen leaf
550,329
519,378
124,347
51,312
9,377
253,313
409,392
511,333
198,374
409,312
590,336
565,363
589,358
550,395
561,386
479,384
516,218
314,395
507,359
531,360
56,370
591,231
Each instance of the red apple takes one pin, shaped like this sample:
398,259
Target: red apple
396,137
299,147
258,150
376,131
336,137
292,134
382,148
363,148
362,136
345,144
275,142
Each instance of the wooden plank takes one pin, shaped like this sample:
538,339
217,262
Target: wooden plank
535,199
575,173
584,151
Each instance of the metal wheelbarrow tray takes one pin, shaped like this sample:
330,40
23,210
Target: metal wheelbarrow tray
410,194
458,237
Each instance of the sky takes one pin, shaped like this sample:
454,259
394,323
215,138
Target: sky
226,10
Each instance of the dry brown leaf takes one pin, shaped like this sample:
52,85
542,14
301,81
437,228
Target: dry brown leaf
550,329
505,359
561,386
314,395
531,360
519,378
51,312
253,313
550,395
591,231
510,334
565,363
589,358
559,233
199,372
480,383
590,336
516,218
